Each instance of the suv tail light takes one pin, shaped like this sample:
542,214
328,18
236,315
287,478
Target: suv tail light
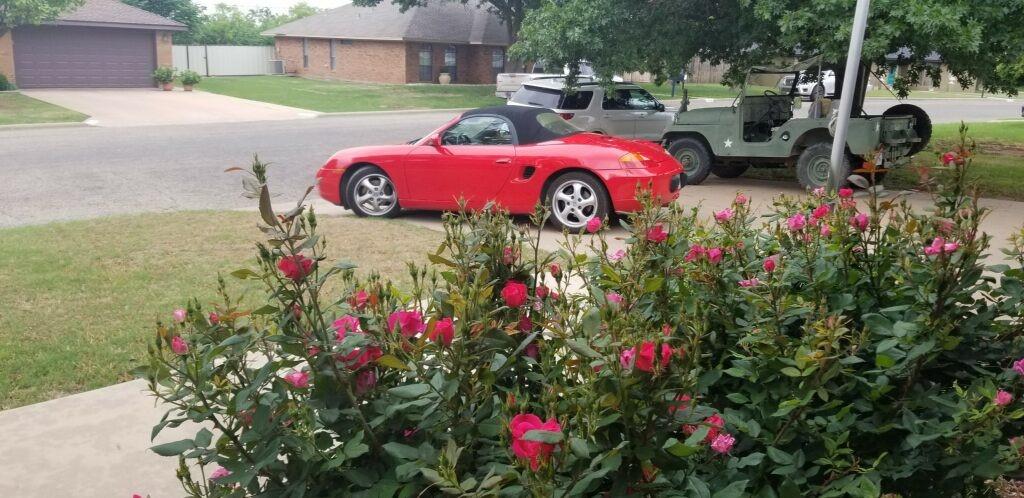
566,115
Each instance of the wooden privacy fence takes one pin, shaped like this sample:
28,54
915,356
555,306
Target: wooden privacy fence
225,60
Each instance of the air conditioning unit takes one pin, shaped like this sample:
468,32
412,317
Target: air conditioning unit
276,67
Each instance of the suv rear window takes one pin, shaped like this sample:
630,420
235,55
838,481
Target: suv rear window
552,99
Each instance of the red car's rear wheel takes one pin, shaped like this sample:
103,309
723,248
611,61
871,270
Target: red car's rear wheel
370,192
575,198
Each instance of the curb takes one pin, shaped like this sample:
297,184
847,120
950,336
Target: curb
38,126
378,113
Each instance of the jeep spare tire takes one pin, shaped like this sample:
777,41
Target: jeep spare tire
922,123
814,167
694,157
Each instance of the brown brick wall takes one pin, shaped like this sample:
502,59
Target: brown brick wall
377,61
7,55
473,63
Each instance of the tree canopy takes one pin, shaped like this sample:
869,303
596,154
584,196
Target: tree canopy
977,41
229,25
18,12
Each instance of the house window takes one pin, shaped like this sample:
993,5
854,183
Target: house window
498,60
426,63
449,61
333,54
305,52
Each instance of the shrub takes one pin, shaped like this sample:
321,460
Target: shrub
5,84
827,352
165,74
189,77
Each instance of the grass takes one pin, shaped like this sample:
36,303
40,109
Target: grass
998,166
336,96
924,94
697,90
80,299
16,108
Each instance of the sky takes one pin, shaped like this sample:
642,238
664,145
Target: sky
275,5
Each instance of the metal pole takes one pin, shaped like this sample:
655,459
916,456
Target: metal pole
860,22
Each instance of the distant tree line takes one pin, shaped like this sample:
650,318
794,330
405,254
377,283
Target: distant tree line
226,24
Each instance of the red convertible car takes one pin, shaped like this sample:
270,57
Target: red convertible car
512,155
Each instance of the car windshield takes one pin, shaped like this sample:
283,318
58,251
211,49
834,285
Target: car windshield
557,125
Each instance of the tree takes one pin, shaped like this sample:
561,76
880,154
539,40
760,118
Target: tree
183,11
229,25
978,41
19,12
511,12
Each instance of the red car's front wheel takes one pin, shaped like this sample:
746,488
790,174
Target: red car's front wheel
575,198
370,192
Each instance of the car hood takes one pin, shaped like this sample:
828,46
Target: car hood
707,115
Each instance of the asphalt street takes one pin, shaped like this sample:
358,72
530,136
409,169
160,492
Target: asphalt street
50,174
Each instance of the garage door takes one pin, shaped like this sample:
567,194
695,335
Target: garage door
71,56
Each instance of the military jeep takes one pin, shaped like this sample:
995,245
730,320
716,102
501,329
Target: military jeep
760,128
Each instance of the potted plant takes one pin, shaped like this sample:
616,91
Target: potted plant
165,76
189,79
444,78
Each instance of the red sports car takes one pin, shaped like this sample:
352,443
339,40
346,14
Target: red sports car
512,155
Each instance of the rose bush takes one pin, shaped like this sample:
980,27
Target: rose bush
823,350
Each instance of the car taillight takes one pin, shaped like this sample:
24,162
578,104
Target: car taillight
566,115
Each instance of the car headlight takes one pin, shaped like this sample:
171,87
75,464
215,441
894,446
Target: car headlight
633,160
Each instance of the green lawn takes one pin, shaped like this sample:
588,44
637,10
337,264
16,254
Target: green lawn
80,299
998,167
16,108
697,90
336,96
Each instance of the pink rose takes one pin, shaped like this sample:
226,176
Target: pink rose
219,473
950,247
666,330
365,381
525,324
617,256
514,294
797,222
723,443
535,452
724,215
752,282
214,318
949,158
532,350
771,263
179,315
345,324
409,323
657,234
614,298
821,211
627,357
594,225
859,221
358,357
556,271
695,253
295,267
1018,366
645,357
508,256
826,231
359,300
1002,398
298,380
818,192
444,331
741,199
542,291
681,403
846,192
715,255
715,424
666,355
179,346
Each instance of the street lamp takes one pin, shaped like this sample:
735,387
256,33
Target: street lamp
860,22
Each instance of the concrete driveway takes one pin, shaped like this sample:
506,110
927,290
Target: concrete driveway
150,106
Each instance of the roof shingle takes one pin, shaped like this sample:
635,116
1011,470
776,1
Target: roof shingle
112,12
437,22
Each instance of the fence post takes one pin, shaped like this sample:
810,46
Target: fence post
206,56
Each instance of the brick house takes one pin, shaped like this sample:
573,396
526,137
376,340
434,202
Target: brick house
382,44
102,43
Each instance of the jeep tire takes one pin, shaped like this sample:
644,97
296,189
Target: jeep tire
694,157
922,123
813,168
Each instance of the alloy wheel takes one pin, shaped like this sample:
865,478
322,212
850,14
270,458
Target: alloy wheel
375,194
574,204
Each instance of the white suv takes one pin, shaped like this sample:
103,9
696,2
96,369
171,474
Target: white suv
628,111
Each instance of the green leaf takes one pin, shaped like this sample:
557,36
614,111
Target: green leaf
392,361
697,488
733,490
437,259
173,449
266,211
681,450
653,284
579,447
410,391
778,456
884,361
737,398
203,438
244,273
401,451
549,437
790,372
592,321
751,460
581,348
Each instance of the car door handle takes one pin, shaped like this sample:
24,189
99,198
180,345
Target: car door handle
504,160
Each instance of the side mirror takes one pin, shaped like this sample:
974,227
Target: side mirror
660,107
433,141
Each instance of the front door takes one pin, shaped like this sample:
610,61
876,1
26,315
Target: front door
472,161
619,119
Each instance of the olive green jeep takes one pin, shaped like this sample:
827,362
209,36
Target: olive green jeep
760,128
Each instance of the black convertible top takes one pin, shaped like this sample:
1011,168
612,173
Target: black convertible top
528,129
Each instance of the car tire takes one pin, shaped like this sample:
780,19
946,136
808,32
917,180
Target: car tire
575,198
813,168
694,157
922,123
371,193
729,170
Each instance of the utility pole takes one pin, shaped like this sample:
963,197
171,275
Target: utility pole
860,22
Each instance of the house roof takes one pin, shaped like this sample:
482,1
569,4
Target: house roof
437,22
112,13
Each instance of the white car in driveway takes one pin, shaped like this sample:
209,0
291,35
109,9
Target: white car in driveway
628,111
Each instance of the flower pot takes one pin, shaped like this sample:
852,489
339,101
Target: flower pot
188,88
167,86
444,78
